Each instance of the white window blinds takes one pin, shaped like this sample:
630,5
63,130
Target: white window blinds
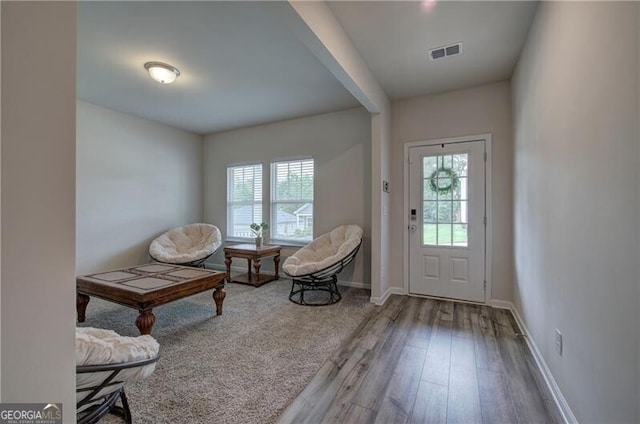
244,199
292,200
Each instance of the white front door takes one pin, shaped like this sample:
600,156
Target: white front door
447,220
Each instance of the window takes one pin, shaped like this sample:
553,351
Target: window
445,200
292,200
244,199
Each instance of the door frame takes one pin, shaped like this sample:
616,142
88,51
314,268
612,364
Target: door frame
487,205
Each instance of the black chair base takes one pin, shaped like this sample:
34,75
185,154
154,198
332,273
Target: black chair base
95,413
323,280
329,286
96,405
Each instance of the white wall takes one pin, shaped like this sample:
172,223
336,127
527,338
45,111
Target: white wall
576,201
135,179
340,144
38,227
382,281
0,203
480,110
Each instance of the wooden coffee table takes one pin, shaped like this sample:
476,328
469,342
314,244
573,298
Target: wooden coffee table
143,287
252,254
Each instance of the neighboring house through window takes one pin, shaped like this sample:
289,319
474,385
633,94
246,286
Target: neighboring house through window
292,200
244,199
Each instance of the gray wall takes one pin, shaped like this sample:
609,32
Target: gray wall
135,179
0,202
480,110
340,144
38,164
576,201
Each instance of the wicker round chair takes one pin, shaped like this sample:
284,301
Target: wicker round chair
188,245
105,362
316,266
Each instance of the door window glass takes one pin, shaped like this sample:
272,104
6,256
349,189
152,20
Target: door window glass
445,200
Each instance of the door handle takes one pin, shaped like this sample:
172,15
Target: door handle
413,227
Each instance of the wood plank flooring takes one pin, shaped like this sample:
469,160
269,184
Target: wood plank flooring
428,361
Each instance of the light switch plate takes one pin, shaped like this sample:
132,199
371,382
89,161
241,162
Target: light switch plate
558,342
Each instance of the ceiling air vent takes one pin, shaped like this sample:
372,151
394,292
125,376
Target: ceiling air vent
437,53
445,51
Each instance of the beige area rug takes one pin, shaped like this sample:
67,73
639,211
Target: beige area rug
244,366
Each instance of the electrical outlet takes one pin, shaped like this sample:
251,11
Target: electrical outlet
385,186
558,342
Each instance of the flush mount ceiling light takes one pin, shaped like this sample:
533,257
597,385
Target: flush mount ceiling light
428,5
162,72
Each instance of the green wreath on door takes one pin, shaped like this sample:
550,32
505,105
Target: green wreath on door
439,175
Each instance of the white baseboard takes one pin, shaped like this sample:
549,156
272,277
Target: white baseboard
501,304
558,397
382,299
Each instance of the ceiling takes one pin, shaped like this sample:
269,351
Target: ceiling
393,39
241,65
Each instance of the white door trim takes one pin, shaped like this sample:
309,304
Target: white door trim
488,196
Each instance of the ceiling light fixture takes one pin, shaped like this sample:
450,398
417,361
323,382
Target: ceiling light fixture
162,72
428,5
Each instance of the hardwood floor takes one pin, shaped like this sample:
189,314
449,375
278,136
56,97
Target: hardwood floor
428,361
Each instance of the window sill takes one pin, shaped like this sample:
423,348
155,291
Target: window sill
239,240
289,243
283,243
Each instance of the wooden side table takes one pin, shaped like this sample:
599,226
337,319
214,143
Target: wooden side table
252,254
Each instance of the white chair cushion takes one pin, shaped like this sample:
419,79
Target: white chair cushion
324,251
95,346
186,244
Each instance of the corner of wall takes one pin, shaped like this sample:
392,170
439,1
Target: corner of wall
638,144
381,300
203,139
